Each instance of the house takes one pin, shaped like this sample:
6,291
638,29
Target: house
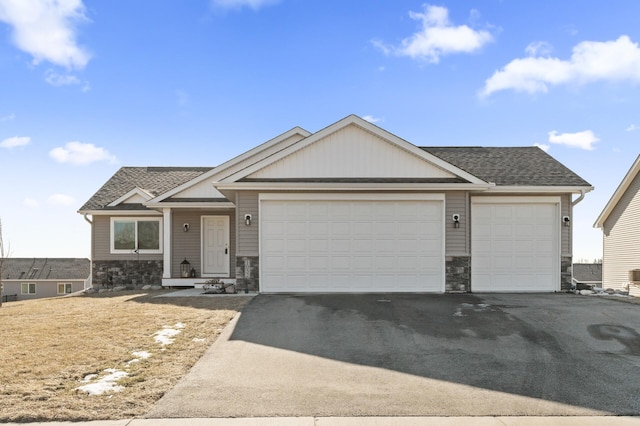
620,221
35,278
350,208
587,275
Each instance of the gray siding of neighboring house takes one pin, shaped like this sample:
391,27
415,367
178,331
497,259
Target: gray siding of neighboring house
457,239
248,236
188,245
101,247
621,244
44,288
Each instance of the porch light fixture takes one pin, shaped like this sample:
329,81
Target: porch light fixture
456,220
247,219
185,227
566,220
185,268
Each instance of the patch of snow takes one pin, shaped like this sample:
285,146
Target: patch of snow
141,354
199,340
108,383
167,335
88,378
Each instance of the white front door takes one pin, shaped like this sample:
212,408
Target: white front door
215,245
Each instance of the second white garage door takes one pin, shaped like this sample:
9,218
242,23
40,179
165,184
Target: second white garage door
351,244
515,244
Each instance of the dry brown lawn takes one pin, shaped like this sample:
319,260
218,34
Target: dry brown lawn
48,346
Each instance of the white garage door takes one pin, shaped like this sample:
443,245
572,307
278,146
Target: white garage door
515,244
351,245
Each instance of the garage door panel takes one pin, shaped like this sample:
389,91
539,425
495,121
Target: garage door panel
353,246
515,247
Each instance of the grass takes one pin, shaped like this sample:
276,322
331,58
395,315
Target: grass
48,346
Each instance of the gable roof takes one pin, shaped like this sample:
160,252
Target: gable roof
150,180
587,272
510,166
618,194
16,268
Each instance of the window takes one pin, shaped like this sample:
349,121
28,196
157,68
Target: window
131,234
64,288
28,288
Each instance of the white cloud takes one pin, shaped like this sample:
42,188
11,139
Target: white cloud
371,119
30,202
46,29
15,142
79,153
437,37
632,128
61,200
582,140
238,4
542,146
9,117
590,61
57,80
538,48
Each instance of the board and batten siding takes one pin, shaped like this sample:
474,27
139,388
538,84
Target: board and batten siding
456,239
101,247
188,245
621,244
247,203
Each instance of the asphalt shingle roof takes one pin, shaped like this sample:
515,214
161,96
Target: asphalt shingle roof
528,166
17,268
587,272
155,180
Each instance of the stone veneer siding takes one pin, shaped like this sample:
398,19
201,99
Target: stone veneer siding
566,268
458,274
129,273
250,279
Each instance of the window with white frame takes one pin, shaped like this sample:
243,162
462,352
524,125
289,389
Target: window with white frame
28,288
136,235
65,288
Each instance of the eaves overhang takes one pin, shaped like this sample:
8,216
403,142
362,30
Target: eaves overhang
540,189
115,212
618,194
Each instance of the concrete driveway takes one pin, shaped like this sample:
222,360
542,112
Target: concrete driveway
418,355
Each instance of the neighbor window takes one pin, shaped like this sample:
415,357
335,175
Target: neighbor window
129,235
28,288
64,288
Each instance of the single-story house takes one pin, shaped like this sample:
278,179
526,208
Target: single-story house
35,278
620,221
350,208
587,275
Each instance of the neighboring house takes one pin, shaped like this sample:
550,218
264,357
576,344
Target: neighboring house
350,208
620,222
587,275
35,278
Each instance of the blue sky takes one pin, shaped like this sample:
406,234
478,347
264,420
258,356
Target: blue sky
89,86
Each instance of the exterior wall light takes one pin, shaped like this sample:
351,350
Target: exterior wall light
456,220
247,219
185,227
566,220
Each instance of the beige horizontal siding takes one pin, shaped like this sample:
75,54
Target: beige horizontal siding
247,203
457,239
621,248
101,245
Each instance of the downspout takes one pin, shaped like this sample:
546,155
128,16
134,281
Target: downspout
89,284
580,198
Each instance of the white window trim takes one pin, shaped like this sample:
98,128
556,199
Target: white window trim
35,287
136,219
65,288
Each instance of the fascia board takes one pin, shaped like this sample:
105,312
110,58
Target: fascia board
120,212
186,204
541,189
321,186
236,161
353,119
618,193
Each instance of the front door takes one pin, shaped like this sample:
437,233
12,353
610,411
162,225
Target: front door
215,245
